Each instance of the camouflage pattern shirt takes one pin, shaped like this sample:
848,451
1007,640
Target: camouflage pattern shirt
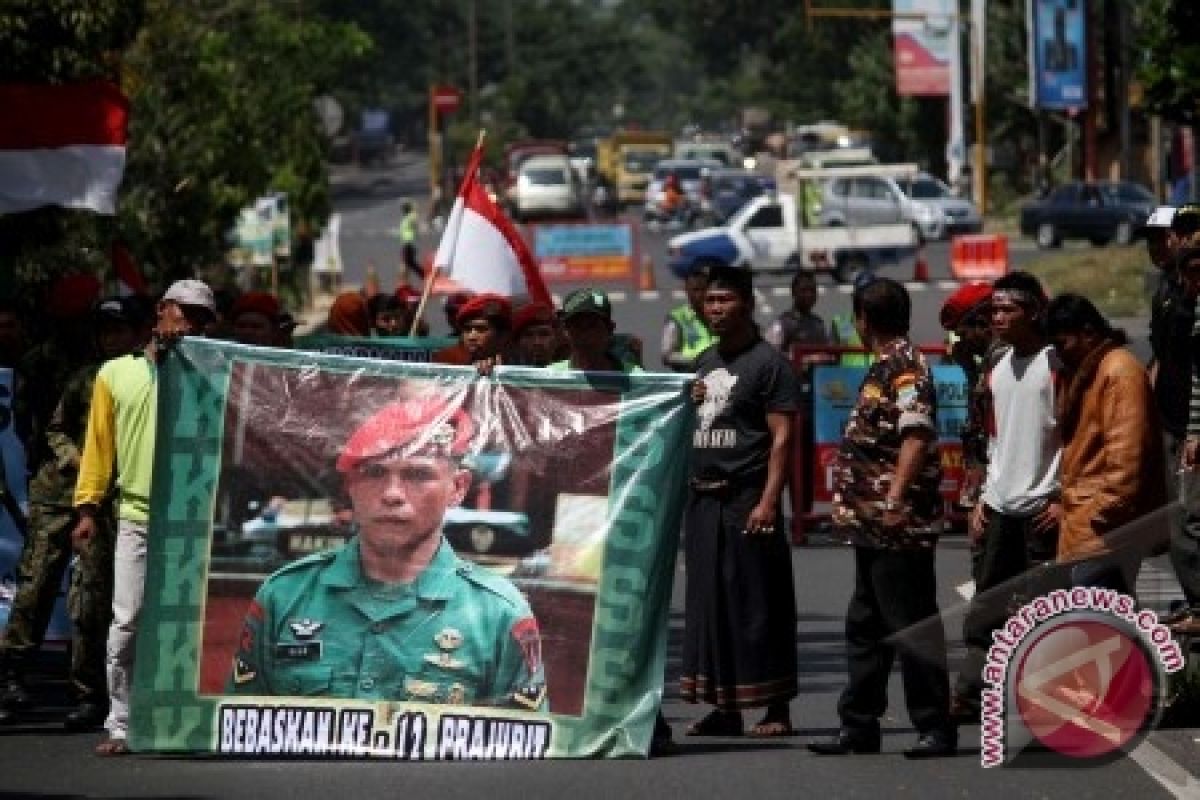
54,482
897,395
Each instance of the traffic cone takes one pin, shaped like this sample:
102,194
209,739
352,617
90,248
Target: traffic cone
646,283
921,267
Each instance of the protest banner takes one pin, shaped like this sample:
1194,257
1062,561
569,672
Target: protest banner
284,481
12,459
419,349
835,391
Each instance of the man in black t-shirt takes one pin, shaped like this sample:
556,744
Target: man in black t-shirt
739,647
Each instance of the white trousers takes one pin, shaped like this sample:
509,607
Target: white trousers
129,583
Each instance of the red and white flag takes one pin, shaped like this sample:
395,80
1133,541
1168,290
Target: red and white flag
481,250
61,145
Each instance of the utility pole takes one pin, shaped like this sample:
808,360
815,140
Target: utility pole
979,91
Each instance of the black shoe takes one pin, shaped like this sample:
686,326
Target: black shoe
15,696
87,717
935,744
847,742
964,710
662,743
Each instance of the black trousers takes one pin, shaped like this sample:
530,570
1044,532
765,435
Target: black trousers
1006,552
410,260
894,611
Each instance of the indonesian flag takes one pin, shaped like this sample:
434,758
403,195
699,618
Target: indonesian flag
61,145
481,250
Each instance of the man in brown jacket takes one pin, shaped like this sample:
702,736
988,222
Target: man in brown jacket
1113,462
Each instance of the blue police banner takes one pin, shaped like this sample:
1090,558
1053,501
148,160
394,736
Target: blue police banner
835,391
370,558
12,456
585,251
1058,54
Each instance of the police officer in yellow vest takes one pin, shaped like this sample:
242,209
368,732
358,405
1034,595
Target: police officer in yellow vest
408,241
686,333
842,331
395,614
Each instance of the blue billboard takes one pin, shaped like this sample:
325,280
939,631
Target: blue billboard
1058,54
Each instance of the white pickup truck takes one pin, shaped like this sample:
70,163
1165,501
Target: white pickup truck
776,233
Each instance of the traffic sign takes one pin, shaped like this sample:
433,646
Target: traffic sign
446,99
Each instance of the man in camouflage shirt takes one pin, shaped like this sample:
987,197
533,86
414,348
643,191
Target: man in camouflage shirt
47,551
887,503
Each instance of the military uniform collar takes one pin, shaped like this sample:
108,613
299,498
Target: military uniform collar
435,582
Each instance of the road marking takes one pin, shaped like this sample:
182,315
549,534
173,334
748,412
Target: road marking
966,590
557,298
618,297
678,294
1169,773
648,294
781,291
949,286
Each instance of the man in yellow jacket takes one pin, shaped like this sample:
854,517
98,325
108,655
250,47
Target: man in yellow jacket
119,447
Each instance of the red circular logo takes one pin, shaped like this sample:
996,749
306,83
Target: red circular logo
1085,688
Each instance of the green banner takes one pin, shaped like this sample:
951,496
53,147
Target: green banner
364,558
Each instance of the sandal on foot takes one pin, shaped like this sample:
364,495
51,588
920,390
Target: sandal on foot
112,747
772,728
717,723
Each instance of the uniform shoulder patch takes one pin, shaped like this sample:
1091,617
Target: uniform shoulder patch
490,581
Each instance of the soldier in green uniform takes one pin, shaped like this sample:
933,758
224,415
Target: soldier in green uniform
47,551
395,614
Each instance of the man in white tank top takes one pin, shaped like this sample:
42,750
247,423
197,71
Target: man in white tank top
1016,524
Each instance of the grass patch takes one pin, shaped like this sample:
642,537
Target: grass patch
1114,278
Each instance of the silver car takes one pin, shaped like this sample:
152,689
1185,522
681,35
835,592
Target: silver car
924,202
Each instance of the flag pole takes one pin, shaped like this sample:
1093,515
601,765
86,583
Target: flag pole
435,268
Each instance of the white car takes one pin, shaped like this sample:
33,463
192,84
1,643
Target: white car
547,186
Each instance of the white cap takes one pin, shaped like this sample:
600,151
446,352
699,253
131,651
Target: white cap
1161,218
191,292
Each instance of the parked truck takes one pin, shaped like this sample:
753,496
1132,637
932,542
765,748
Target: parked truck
785,232
626,159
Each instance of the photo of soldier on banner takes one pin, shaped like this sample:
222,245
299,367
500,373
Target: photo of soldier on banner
405,560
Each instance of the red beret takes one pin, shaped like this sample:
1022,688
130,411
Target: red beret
73,295
408,295
532,314
968,298
492,306
427,425
256,303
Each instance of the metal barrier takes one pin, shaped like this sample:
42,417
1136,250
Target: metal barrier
979,257
830,391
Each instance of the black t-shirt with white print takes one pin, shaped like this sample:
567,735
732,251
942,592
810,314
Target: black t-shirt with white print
732,441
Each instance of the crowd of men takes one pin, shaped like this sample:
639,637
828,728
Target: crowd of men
1071,448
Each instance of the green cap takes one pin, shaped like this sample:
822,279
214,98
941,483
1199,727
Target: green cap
586,301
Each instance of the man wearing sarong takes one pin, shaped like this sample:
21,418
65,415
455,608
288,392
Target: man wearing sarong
739,648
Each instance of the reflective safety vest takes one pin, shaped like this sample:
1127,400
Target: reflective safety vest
847,336
696,336
408,228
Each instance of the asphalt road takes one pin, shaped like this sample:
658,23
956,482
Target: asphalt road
38,760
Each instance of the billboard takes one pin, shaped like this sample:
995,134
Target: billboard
1058,54
921,46
293,608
